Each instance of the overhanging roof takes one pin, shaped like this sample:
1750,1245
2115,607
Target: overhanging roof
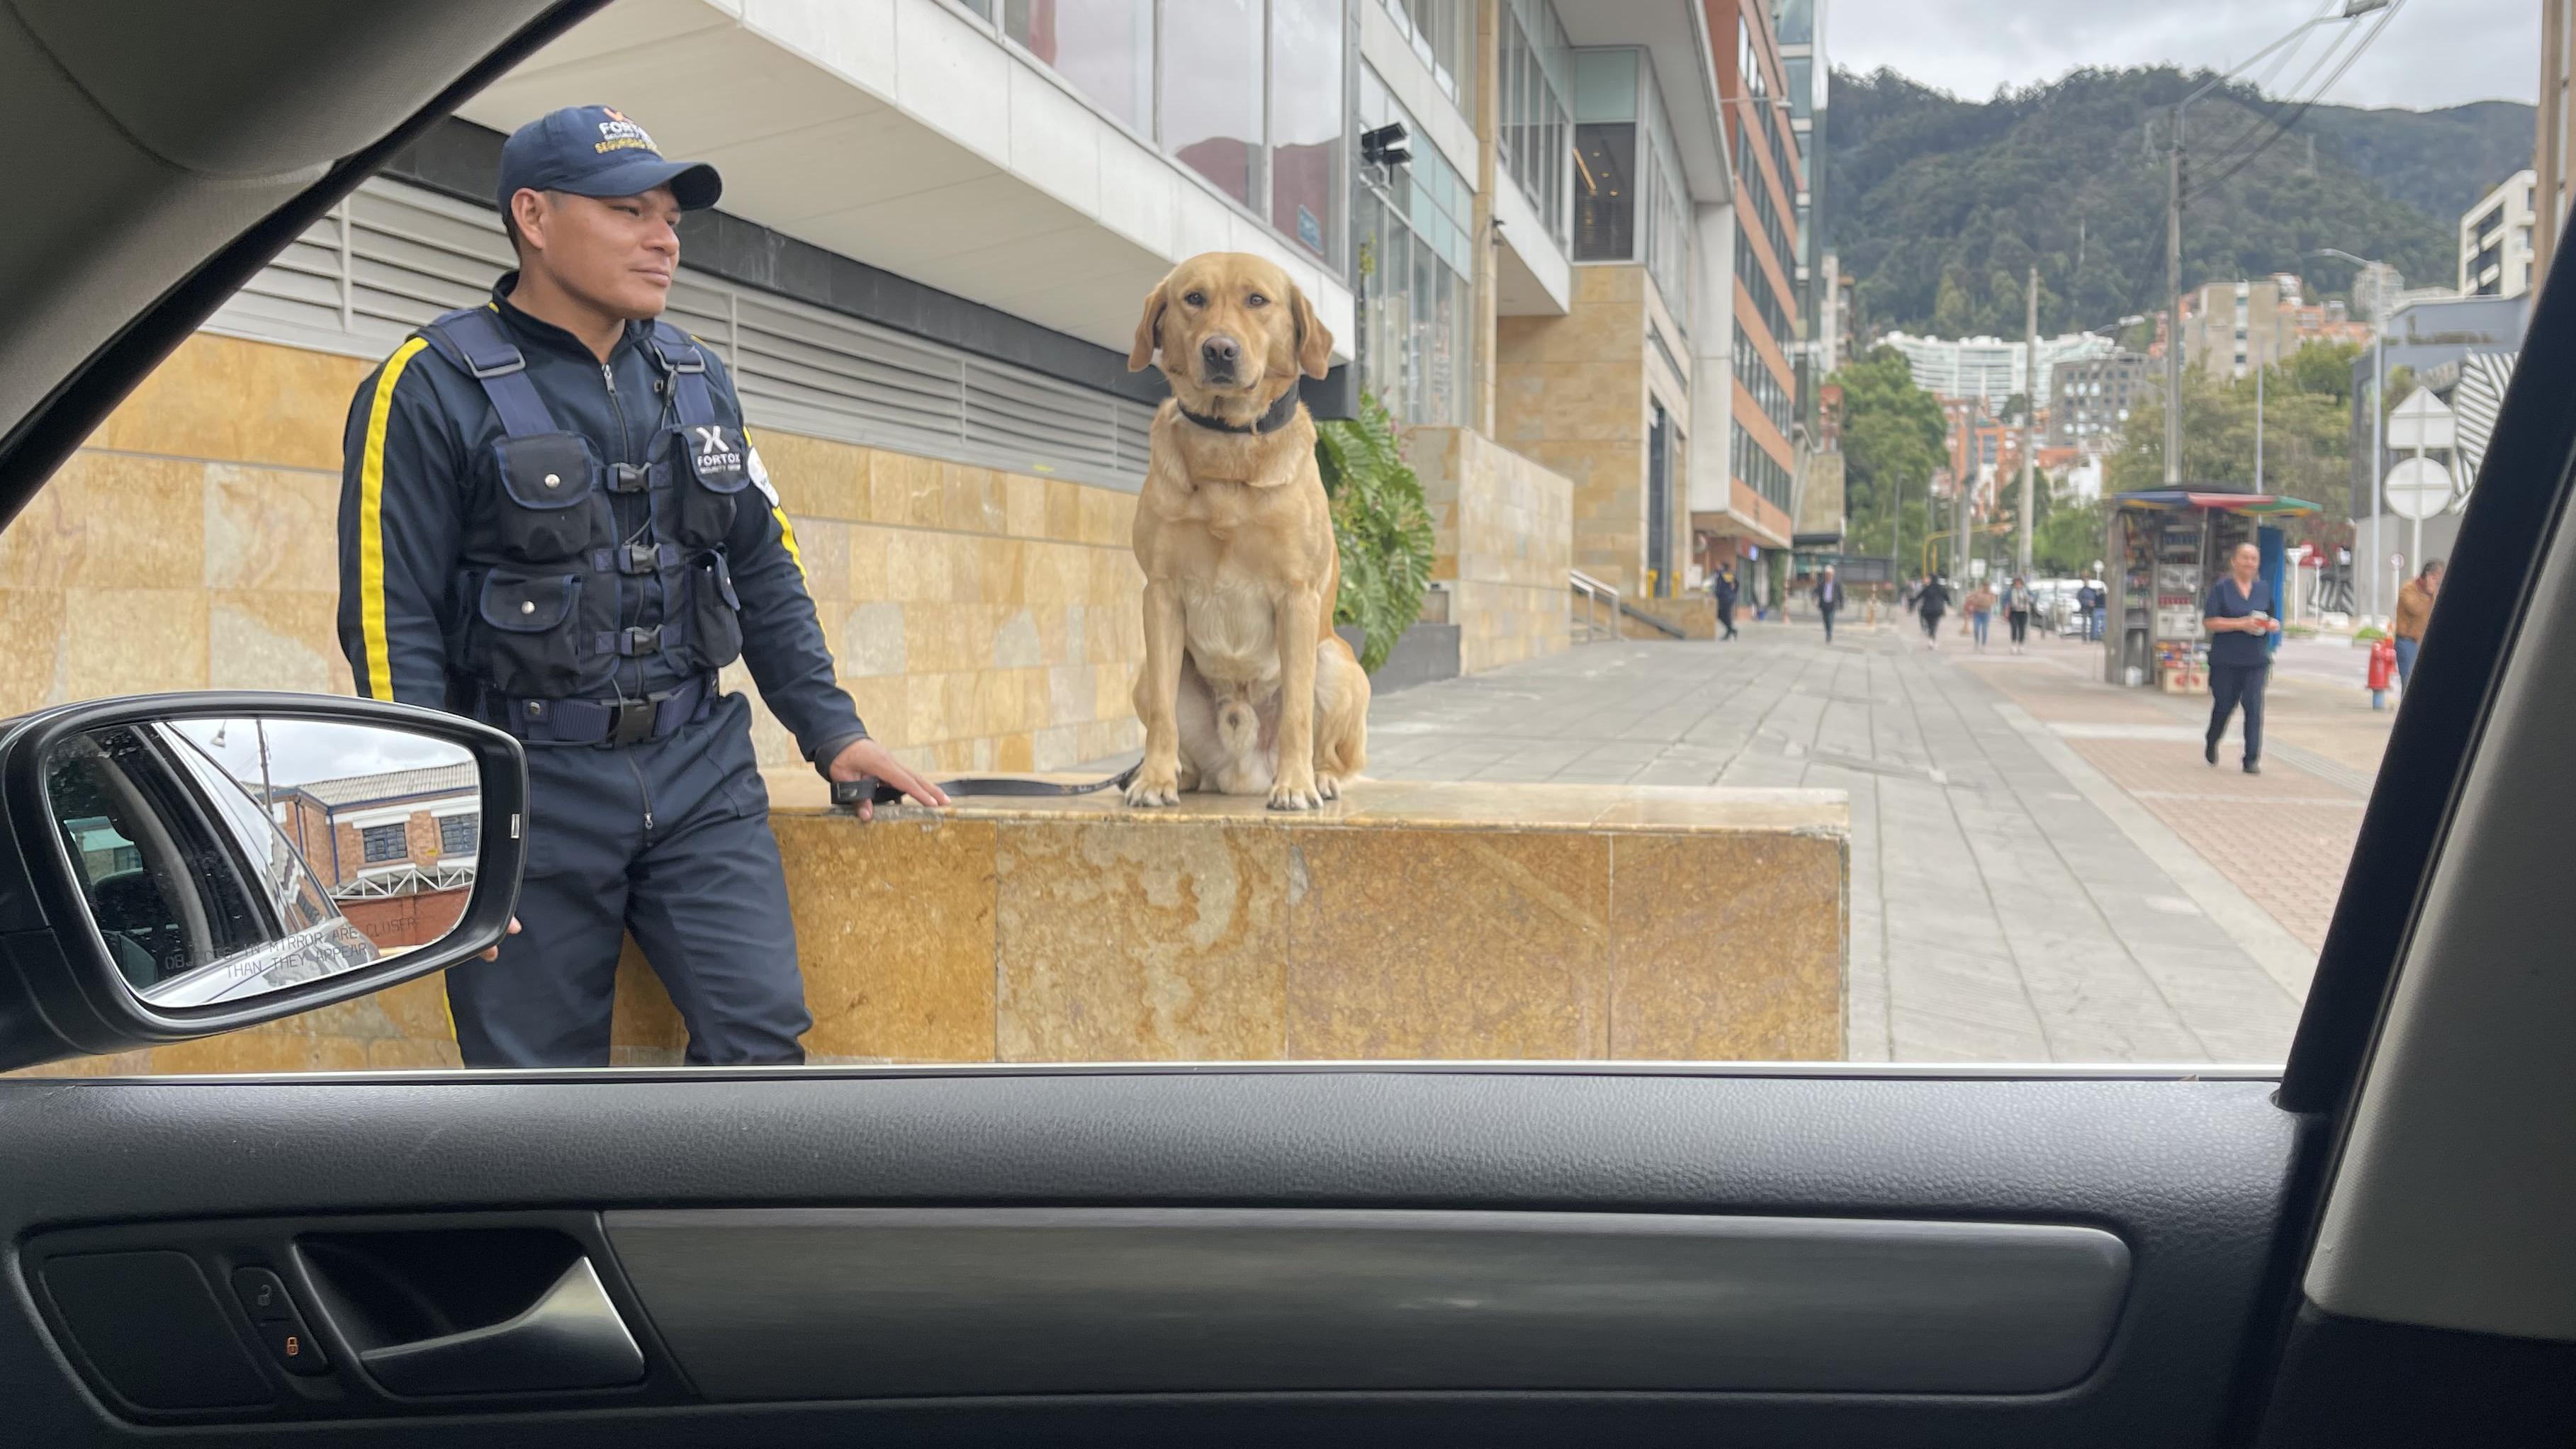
901,136
1675,36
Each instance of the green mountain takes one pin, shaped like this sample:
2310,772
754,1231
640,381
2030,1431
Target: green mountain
1938,206
2438,161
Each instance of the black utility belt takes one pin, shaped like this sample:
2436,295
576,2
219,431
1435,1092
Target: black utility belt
603,722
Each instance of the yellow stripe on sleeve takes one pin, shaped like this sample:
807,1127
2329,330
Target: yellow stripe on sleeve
371,523
787,535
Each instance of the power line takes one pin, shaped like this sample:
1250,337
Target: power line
2204,188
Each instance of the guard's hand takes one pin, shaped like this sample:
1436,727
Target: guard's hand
493,953
866,759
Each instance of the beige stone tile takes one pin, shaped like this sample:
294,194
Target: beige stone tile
1133,942
276,1047
917,566
823,548
643,1015
1024,505
872,640
222,399
1456,944
971,498
1064,510
923,991
870,562
1772,991
269,528
109,520
35,653
1016,753
262,639
1016,641
1001,573
881,701
926,496
134,641
965,566
815,477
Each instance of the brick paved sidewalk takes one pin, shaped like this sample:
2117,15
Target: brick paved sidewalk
2009,901
2283,837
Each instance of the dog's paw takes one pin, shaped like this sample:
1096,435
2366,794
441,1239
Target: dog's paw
1295,795
1328,785
1154,788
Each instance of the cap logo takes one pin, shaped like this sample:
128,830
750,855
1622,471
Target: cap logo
620,134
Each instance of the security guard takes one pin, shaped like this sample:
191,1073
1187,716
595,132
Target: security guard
550,519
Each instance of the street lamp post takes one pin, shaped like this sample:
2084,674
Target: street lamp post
2378,401
2352,9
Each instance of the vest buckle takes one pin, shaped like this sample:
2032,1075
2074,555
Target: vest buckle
629,478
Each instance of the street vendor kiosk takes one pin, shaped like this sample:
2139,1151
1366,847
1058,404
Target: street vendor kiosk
2164,547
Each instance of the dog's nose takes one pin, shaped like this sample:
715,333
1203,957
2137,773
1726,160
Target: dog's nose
1221,353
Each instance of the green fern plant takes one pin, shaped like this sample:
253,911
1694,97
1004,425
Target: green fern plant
1381,523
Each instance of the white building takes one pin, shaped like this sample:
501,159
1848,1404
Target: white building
1990,369
2496,239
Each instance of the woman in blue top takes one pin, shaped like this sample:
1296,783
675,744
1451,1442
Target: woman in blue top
2239,617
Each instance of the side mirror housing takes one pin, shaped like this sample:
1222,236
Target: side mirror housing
177,866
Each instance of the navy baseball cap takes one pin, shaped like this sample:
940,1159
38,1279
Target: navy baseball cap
597,151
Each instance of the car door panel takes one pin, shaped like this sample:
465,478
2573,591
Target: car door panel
1099,1309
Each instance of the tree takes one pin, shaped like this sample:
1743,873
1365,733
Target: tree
2306,433
1893,438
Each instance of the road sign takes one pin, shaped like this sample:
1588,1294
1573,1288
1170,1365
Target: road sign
2417,488
2422,421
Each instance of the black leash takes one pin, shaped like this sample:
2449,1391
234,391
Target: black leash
878,792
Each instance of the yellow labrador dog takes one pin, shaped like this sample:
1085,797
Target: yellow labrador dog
1246,689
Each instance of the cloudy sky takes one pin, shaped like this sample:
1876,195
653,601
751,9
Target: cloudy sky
2434,53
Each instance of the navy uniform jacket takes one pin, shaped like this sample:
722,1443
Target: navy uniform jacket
418,455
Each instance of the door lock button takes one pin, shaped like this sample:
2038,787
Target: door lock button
263,1295
291,1343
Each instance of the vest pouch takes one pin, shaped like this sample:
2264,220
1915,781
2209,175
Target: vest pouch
713,464
715,612
526,634
545,512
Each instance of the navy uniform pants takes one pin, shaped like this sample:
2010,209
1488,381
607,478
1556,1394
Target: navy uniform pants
668,839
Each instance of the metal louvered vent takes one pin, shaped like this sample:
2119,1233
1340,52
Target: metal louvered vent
393,256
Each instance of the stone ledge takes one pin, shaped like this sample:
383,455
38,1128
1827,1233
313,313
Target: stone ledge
1404,921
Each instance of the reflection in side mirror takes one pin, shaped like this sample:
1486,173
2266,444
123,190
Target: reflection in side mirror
227,859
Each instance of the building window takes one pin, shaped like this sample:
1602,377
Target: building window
380,843
1605,210
1412,265
1306,122
1536,126
1211,82
1443,34
460,834
1104,48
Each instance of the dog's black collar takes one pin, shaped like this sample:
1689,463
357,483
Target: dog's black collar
1269,422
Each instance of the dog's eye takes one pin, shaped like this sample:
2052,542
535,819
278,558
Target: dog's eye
1195,299
1256,300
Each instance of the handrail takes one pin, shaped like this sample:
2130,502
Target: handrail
1586,628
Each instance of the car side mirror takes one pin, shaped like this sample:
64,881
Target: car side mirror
182,865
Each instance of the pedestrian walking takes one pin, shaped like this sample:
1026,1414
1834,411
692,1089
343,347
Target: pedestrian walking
2018,602
1722,590
2414,611
551,521
2239,616
1829,598
1931,601
1980,607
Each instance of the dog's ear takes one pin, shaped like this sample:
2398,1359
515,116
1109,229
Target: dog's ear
1149,331
1314,340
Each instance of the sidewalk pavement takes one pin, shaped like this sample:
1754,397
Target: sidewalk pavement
2042,869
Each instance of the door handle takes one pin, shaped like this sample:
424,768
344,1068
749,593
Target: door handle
570,1338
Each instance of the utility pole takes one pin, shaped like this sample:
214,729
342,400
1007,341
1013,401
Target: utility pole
2029,420
2258,427
2173,295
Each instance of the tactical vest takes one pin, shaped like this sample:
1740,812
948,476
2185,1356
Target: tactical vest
545,571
